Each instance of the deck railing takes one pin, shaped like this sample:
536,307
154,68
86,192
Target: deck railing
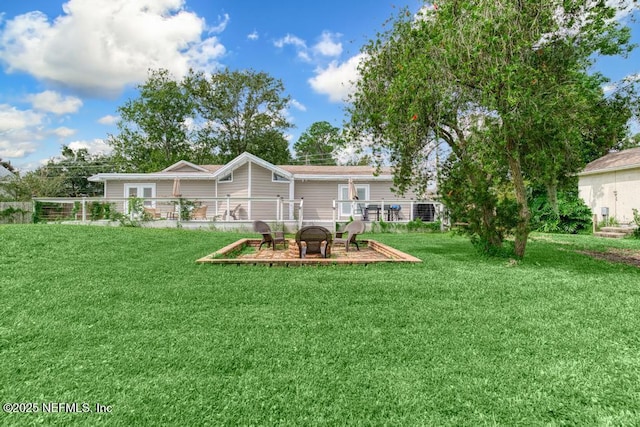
230,209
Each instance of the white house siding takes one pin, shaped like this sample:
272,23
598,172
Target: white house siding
262,185
191,190
239,187
617,190
317,198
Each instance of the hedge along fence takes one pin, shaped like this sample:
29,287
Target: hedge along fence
16,212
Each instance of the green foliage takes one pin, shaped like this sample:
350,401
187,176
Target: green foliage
12,215
317,144
415,226
636,220
506,87
66,176
154,131
38,183
203,119
100,210
241,111
477,194
37,212
573,215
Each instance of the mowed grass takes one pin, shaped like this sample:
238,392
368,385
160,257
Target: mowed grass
125,317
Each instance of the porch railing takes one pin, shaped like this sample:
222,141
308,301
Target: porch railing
235,209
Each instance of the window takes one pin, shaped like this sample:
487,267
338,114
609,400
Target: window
227,178
141,191
345,208
276,177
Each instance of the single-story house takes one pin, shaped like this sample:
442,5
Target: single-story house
249,188
610,185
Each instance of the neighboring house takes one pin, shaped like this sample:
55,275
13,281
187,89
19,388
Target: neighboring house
5,176
610,185
253,186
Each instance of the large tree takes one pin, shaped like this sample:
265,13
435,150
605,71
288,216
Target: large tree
65,176
240,111
502,83
154,131
318,144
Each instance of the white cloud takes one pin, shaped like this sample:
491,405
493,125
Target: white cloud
253,36
13,120
16,150
337,80
108,120
290,40
297,42
52,102
97,146
224,20
298,105
64,132
328,46
102,46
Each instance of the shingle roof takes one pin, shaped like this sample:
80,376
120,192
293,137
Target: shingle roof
332,170
211,168
625,159
319,170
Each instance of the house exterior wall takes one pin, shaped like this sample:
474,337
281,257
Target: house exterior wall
319,197
191,190
617,190
262,185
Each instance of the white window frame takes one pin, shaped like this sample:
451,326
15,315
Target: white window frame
140,187
344,210
224,179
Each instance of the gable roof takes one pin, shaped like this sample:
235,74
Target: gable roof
246,158
183,164
621,160
187,170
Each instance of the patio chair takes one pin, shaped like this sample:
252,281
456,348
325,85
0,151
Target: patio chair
351,230
152,213
314,239
199,213
271,238
233,213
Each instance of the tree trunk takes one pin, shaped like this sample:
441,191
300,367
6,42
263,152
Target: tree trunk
522,229
552,196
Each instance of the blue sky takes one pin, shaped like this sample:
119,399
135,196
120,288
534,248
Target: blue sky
66,66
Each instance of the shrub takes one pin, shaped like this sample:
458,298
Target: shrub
636,220
573,215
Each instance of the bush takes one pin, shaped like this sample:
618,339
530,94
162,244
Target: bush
573,215
636,219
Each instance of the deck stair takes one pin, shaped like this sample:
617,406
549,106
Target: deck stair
615,232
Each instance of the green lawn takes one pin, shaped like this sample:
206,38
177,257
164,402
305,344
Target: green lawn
125,317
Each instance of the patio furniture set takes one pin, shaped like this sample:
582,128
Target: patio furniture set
312,239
